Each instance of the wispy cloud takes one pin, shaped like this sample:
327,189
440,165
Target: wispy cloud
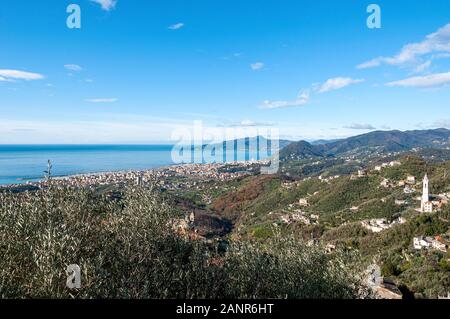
73,67
302,99
443,123
438,41
23,130
248,123
256,66
102,100
338,83
233,56
360,126
441,56
428,81
304,96
11,75
105,128
106,5
176,26
422,67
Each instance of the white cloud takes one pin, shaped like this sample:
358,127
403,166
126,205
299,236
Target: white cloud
256,66
360,126
443,123
370,64
103,100
304,96
106,5
101,129
427,81
302,99
176,26
246,123
441,56
338,83
250,123
10,75
73,67
423,67
438,41
233,56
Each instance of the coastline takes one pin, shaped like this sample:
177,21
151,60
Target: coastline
20,164
132,175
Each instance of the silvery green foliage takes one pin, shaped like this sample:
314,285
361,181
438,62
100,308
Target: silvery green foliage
126,248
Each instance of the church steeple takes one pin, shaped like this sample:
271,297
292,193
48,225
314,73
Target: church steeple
426,192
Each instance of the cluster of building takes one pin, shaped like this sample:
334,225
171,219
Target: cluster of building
299,216
216,171
407,183
438,243
328,179
429,203
378,225
361,174
389,164
106,178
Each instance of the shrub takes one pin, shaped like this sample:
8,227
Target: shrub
126,248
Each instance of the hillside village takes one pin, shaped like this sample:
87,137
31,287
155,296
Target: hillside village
389,197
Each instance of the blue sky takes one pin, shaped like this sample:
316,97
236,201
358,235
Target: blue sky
137,70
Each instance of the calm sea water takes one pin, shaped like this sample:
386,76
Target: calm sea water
22,163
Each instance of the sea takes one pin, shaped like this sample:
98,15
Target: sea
20,164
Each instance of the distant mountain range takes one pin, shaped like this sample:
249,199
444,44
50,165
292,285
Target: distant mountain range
251,143
377,141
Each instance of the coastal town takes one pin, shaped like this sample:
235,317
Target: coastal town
162,176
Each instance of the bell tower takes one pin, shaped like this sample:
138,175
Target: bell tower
426,191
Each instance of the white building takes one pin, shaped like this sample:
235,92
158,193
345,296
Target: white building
400,202
395,163
303,202
409,190
380,224
439,245
411,179
430,243
386,183
422,242
426,205
362,173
